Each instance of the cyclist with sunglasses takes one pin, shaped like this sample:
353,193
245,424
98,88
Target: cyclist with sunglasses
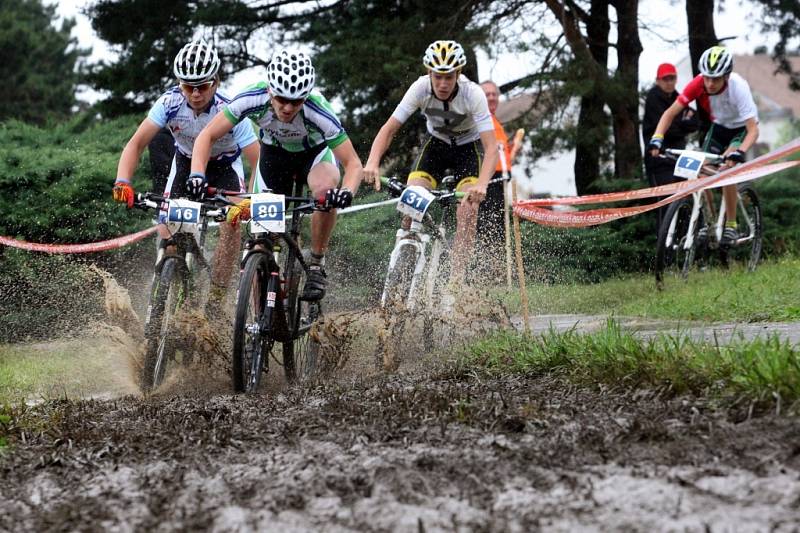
726,97
461,139
301,139
185,110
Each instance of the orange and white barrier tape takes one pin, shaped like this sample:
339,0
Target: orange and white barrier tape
88,247
533,210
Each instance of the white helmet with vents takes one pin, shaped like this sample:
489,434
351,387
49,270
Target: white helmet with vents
290,75
715,62
197,62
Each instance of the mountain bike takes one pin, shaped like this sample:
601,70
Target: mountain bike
418,266
692,228
175,287
269,307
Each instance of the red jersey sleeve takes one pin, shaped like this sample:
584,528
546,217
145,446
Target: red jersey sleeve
693,90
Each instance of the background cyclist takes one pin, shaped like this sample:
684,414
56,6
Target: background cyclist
301,138
461,138
185,110
727,98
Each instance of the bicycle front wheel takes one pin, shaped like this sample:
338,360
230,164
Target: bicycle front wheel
253,324
675,249
169,291
396,295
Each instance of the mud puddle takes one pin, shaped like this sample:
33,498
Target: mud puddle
440,451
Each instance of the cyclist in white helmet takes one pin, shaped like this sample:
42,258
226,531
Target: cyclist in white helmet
727,99
462,138
185,110
301,139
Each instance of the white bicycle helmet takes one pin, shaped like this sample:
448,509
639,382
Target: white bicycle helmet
197,62
290,74
715,62
444,57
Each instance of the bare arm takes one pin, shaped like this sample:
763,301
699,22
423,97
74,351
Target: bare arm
346,154
251,153
129,159
751,136
666,121
201,151
381,143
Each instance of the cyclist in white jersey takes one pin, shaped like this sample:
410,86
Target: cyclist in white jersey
726,97
185,110
301,140
462,138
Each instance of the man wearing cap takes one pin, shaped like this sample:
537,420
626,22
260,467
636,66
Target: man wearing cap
659,98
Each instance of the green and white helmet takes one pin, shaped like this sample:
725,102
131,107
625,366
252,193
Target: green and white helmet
197,62
715,62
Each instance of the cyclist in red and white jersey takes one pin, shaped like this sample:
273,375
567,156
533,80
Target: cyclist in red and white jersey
727,98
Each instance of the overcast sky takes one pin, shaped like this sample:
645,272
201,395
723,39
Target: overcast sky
664,19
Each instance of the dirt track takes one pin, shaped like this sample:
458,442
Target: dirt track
436,450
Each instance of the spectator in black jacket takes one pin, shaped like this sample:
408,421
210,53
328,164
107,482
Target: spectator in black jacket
659,98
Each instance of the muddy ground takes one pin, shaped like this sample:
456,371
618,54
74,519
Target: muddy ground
433,446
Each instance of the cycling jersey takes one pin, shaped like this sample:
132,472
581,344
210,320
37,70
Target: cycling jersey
172,110
732,107
458,121
313,125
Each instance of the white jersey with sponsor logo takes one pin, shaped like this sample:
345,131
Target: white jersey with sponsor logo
173,110
315,123
458,121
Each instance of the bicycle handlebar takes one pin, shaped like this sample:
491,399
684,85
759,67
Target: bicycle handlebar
674,153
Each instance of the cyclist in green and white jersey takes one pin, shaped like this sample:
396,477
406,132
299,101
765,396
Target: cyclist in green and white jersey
301,139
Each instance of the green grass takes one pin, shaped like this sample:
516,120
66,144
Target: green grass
761,369
73,368
771,293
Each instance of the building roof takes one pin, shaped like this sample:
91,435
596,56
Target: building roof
759,71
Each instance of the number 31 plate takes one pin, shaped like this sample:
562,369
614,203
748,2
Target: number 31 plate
415,201
268,213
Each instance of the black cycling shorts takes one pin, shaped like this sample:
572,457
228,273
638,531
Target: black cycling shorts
227,175
279,168
438,159
719,138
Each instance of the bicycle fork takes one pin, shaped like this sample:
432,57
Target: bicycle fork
418,242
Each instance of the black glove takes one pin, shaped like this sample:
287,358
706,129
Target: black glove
196,186
338,198
737,156
655,143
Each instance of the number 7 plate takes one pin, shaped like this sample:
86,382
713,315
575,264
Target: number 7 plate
415,201
267,213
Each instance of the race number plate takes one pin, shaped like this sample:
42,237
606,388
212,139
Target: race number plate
689,164
183,216
268,213
415,201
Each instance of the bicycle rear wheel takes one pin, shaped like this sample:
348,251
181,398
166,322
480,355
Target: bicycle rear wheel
673,255
749,221
169,292
253,324
300,352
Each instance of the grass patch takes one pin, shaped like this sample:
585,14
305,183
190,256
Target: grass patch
73,368
771,293
762,369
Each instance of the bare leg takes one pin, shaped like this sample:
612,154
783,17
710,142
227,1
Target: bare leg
730,202
466,225
322,177
225,255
